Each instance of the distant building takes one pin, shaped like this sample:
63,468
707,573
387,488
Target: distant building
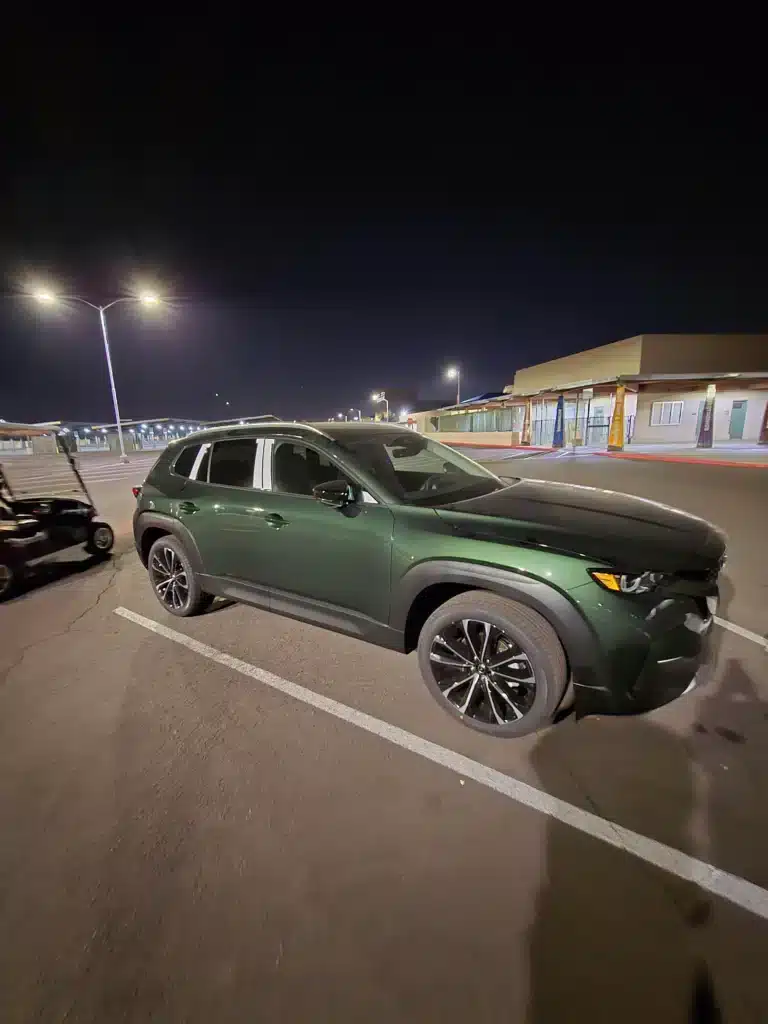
666,381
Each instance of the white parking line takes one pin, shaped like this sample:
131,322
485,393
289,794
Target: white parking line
730,887
747,634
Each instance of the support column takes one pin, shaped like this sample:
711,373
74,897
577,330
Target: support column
706,427
762,437
559,436
617,429
525,437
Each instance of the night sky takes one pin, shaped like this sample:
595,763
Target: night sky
335,213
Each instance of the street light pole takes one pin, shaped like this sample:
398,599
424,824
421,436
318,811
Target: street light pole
450,373
381,397
105,336
146,300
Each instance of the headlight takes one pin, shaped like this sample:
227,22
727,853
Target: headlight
627,583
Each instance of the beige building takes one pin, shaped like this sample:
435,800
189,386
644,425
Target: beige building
665,376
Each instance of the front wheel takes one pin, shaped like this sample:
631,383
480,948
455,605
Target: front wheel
173,581
495,664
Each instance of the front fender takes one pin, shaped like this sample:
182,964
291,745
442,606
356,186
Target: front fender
580,643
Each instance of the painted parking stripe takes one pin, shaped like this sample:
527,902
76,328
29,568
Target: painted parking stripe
747,634
730,887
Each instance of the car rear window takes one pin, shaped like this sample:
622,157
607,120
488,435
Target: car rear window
186,460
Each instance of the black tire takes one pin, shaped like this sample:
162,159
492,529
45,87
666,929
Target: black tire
167,564
497,685
101,539
9,578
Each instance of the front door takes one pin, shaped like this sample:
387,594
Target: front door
340,557
738,418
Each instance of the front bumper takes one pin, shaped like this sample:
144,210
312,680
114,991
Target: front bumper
662,653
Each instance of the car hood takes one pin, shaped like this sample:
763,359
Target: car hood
632,534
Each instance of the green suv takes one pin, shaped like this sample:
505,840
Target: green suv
524,598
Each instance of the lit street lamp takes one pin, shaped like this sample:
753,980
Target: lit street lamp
146,299
379,396
450,373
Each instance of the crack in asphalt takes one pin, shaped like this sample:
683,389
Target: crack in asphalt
115,566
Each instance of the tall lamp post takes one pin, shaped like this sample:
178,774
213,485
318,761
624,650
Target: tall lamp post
379,396
451,373
147,299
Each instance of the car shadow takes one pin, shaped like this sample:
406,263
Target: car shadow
615,938
218,605
49,573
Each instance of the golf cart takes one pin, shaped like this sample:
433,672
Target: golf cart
34,524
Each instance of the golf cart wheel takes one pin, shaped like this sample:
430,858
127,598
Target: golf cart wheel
9,577
493,663
101,539
173,580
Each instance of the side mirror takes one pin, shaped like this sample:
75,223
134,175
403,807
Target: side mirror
336,493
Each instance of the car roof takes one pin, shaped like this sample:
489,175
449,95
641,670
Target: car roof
330,431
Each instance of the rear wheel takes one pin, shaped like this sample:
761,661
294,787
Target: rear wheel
9,577
495,664
101,539
174,583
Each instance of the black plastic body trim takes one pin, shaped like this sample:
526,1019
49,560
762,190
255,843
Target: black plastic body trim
305,609
576,636
143,521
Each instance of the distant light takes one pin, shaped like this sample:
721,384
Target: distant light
158,427
103,430
404,414
242,422
143,426
339,415
44,296
452,371
149,298
376,397
216,394
87,430
226,403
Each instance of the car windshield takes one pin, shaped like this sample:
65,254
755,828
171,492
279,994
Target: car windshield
419,471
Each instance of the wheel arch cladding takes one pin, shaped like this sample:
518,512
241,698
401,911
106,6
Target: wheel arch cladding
151,526
430,583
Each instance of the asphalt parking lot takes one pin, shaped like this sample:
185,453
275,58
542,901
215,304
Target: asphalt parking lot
242,818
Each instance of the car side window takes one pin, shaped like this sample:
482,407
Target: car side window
185,460
232,462
297,468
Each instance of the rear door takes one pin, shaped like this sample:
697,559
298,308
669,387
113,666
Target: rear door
220,506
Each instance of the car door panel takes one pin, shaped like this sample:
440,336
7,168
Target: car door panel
222,518
338,556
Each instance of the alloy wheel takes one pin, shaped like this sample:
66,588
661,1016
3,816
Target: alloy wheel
6,579
483,672
169,578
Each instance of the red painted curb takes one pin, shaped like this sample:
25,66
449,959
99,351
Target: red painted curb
684,459
508,447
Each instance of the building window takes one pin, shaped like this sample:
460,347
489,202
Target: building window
666,414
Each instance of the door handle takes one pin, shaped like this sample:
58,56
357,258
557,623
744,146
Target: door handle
188,507
275,520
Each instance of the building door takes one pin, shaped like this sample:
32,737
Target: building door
738,416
